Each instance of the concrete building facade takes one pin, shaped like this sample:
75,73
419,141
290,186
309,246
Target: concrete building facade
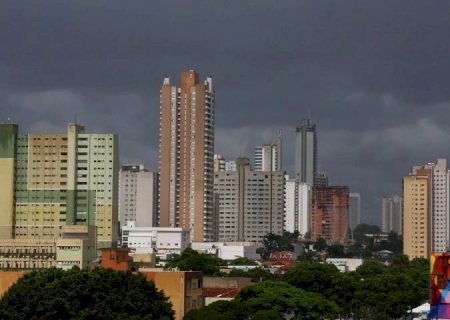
354,210
51,180
392,214
138,196
416,216
250,203
156,239
437,195
330,214
268,157
186,155
306,152
297,207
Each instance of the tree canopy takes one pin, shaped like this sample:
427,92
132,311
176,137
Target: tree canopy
84,294
194,261
273,242
268,300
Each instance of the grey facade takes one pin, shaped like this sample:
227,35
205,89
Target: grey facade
354,210
250,203
306,152
138,196
391,213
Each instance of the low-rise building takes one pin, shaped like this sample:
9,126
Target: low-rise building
223,288
345,264
228,250
184,288
163,241
27,254
116,259
77,247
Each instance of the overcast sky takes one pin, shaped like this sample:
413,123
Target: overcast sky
374,75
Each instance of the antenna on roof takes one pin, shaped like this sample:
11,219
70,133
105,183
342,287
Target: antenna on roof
75,118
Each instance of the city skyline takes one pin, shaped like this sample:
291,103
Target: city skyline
371,75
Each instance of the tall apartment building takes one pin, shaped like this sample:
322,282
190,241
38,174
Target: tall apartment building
416,216
306,152
354,210
437,195
268,156
297,207
330,213
391,214
51,180
138,196
186,155
250,203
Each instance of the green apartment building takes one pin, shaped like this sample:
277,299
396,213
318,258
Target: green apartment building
51,180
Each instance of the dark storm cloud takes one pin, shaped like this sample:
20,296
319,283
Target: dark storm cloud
374,75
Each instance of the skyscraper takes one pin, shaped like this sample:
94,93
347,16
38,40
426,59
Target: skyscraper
354,210
306,152
186,155
391,213
268,156
138,196
60,179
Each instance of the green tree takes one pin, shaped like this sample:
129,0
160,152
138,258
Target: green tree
336,251
325,279
313,277
286,300
273,300
370,269
320,245
194,261
360,231
243,261
273,242
220,310
84,294
257,274
386,295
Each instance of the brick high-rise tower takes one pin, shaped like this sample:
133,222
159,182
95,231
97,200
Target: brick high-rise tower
186,155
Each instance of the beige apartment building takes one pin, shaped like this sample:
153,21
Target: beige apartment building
416,216
52,180
186,155
249,204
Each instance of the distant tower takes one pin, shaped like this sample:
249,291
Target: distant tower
186,155
391,214
306,152
354,210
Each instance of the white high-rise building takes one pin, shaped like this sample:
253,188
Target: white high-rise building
391,214
437,175
354,210
268,157
297,207
138,196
